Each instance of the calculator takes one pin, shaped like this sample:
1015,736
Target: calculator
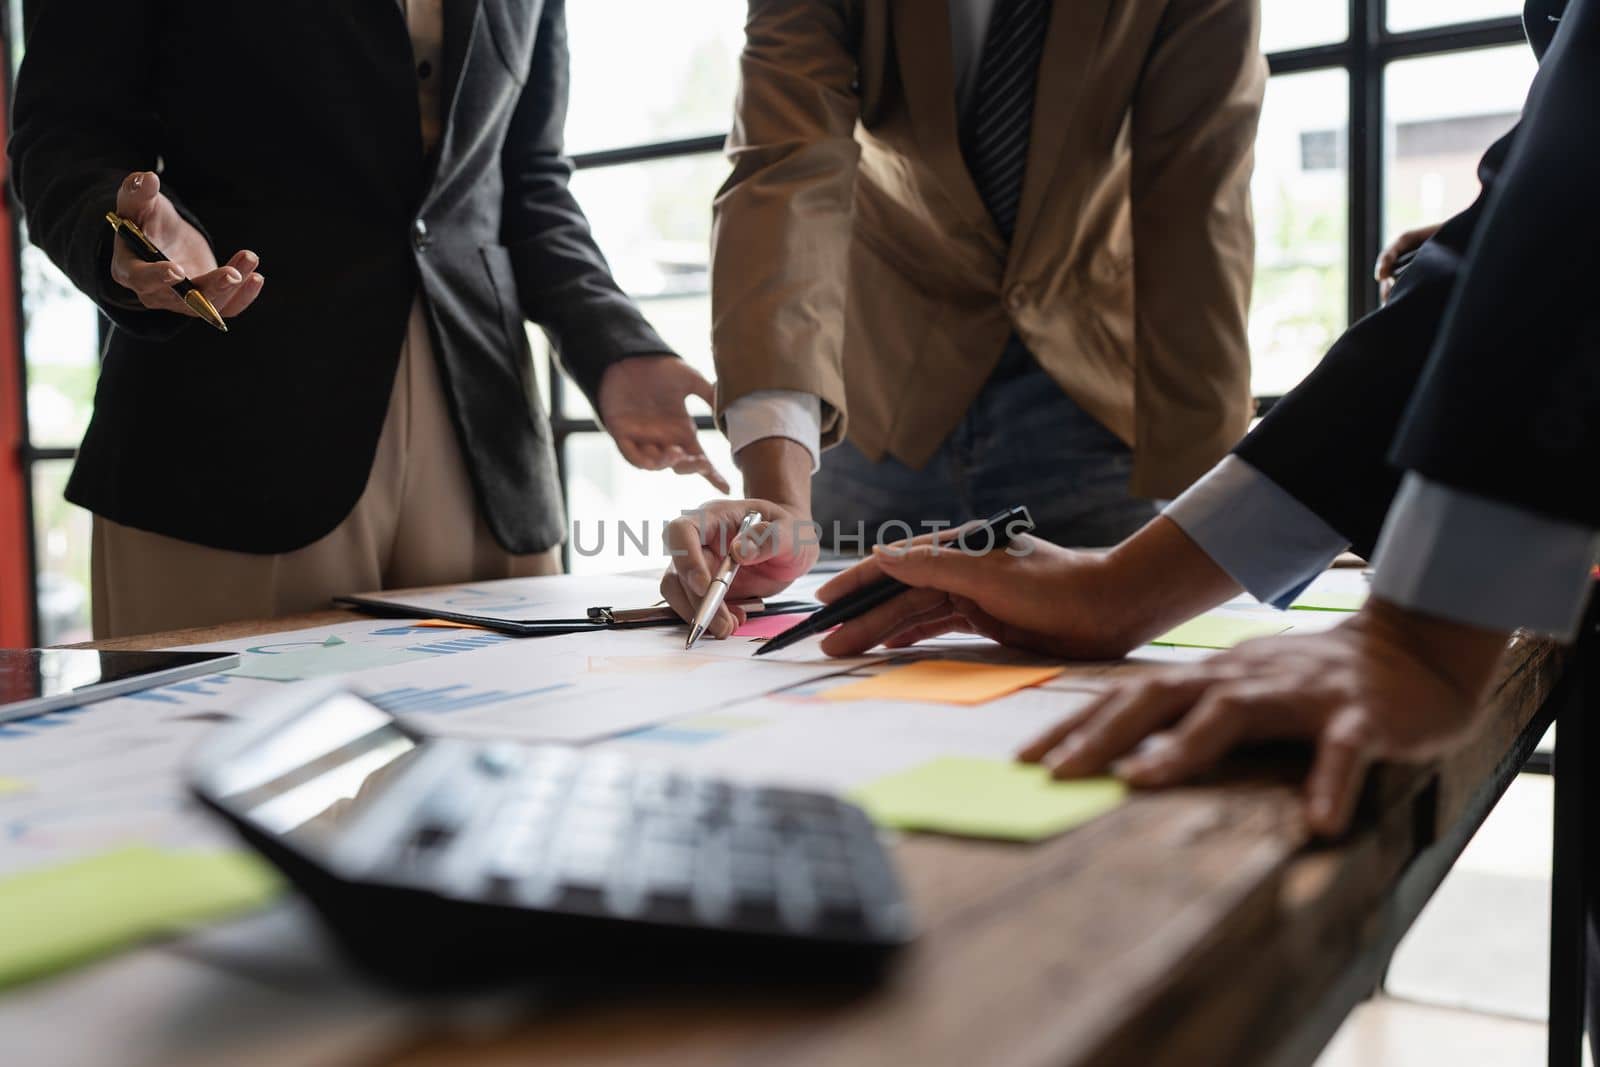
439,862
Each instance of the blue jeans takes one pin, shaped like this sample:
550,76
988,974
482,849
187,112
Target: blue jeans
1023,441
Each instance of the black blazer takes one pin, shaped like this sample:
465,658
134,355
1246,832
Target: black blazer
1483,370
291,128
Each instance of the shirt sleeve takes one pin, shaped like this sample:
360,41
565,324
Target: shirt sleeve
1254,529
1473,560
777,413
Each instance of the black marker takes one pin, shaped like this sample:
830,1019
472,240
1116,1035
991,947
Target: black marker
1000,529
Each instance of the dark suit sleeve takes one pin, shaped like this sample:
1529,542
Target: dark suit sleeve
82,122
1509,407
1327,442
563,282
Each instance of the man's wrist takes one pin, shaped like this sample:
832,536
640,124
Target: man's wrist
1462,655
1157,579
779,470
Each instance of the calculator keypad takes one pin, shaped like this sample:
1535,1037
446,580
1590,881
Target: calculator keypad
596,834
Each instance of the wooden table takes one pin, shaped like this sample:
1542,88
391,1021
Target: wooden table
1191,927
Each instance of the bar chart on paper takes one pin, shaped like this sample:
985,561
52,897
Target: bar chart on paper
416,700
469,643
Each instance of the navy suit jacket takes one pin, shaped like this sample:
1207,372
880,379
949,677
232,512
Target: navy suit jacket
1483,370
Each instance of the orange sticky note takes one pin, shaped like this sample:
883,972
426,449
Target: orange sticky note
944,681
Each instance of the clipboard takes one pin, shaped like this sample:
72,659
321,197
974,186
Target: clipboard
545,607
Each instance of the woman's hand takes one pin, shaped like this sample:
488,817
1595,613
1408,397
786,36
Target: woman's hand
642,406
1386,685
230,288
1409,241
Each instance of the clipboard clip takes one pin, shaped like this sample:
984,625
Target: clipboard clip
656,613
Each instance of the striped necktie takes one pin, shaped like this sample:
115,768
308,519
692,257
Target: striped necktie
1002,107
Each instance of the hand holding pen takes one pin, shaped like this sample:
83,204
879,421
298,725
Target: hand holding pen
717,591
182,258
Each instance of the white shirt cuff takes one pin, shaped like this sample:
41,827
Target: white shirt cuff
1473,560
1254,529
777,413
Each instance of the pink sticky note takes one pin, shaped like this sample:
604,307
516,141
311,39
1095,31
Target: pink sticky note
769,625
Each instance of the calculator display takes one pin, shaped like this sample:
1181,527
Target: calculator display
316,773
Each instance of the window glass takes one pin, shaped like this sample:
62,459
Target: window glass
61,341
1421,14
606,495
1301,206
653,222
1443,112
645,70
1287,24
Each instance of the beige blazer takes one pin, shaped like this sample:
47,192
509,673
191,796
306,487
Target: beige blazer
852,257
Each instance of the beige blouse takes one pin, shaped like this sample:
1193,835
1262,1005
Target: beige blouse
425,20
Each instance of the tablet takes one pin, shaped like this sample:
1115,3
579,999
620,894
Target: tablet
34,681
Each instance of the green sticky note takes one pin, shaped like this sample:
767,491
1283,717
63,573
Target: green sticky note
60,917
1330,600
12,785
986,798
334,656
1220,631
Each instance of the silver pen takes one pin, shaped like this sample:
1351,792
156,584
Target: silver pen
719,584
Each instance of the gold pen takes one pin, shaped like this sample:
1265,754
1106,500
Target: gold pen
145,249
719,584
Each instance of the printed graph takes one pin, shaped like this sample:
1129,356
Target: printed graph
445,699
39,724
183,693
294,661
473,601
454,645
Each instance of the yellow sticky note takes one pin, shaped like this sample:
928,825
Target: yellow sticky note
60,917
1220,631
12,785
986,798
1330,600
943,681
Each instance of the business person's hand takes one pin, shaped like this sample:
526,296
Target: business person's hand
642,407
1409,241
773,553
1035,596
782,547
231,288
1386,685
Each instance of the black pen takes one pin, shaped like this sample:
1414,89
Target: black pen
993,533
145,249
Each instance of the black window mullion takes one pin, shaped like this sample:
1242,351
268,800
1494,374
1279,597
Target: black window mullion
1365,165
558,441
